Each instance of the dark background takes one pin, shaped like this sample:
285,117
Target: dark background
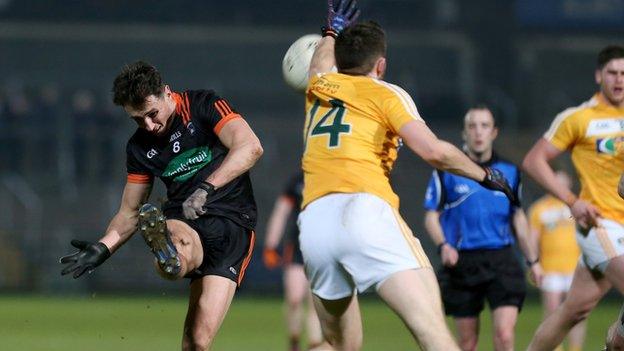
62,159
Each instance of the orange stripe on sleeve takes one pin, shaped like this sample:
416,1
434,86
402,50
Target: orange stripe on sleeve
225,107
139,178
224,121
222,111
252,241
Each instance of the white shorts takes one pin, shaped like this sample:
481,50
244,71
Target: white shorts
355,241
556,282
601,244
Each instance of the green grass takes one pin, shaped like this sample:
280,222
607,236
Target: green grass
155,323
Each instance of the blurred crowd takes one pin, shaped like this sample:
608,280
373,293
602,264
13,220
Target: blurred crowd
62,135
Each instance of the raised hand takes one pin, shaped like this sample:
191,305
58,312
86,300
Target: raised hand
341,14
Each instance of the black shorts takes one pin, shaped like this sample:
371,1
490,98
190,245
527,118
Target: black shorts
495,275
227,247
292,253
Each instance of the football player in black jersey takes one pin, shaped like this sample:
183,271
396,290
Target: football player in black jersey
283,220
202,150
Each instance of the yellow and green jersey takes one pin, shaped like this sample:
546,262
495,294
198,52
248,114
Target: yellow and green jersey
594,134
351,135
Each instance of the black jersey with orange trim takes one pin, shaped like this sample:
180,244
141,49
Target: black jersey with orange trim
188,153
294,193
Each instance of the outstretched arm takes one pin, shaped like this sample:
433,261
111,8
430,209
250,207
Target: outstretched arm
122,226
124,223
439,153
443,155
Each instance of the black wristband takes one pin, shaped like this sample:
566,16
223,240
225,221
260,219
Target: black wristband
327,31
209,188
440,247
530,263
103,249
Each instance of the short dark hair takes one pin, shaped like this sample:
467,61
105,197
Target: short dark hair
136,82
359,46
609,53
483,106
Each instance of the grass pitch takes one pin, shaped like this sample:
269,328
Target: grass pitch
155,323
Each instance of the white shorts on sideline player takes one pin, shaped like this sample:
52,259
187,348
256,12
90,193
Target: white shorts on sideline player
601,244
355,241
556,282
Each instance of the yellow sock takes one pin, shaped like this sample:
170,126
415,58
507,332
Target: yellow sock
560,348
575,348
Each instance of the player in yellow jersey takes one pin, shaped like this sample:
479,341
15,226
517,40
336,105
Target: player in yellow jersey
594,134
552,229
351,234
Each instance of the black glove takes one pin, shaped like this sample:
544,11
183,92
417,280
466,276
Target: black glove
340,16
193,206
495,180
89,256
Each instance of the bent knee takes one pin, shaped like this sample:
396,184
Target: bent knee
293,303
505,337
578,312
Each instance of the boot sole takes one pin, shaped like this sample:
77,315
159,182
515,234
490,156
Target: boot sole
153,229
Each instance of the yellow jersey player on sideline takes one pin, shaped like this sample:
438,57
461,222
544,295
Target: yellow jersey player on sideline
594,134
351,234
552,228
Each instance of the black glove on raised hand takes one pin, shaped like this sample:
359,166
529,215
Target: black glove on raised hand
193,206
339,16
495,180
89,256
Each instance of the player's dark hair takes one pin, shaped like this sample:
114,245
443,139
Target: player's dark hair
136,82
609,53
358,47
484,106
